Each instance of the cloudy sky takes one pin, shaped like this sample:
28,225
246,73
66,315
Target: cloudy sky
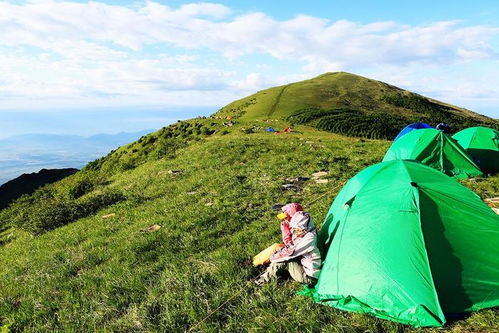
63,55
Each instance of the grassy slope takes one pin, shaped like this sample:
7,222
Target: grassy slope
105,275
338,89
99,274
356,95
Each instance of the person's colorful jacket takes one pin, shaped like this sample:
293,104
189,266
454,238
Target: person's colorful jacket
300,239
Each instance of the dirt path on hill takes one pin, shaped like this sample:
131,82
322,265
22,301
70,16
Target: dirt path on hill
277,100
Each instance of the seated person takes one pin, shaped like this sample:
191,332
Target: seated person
300,256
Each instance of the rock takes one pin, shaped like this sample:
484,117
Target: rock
229,123
289,187
277,207
151,228
319,174
298,179
209,204
192,192
174,172
322,181
492,203
108,215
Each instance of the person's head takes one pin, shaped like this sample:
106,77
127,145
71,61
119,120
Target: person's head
289,210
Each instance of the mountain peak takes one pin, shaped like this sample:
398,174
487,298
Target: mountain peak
350,104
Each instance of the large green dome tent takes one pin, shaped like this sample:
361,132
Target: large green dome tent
481,143
428,249
435,149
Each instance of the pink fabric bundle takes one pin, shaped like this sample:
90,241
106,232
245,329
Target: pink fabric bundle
291,210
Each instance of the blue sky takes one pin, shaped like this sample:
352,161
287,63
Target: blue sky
107,56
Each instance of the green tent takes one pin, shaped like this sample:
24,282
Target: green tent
427,249
435,149
481,143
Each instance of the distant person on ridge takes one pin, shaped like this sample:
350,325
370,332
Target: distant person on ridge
443,127
300,256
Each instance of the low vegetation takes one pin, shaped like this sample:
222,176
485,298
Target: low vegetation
159,233
351,105
212,201
350,122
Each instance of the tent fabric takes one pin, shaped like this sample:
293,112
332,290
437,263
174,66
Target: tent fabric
427,249
411,127
482,144
435,149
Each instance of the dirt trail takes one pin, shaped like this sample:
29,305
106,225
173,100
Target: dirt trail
277,100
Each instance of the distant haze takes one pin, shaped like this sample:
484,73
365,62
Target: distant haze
33,140
32,152
96,121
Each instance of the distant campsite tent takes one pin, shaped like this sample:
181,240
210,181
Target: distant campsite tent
435,149
482,144
428,249
410,128
270,129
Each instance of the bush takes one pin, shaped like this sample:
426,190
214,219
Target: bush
94,203
81,188
351,122
44,211
127,165
247,130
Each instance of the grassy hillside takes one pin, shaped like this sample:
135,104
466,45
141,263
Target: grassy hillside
349,104
78,255
104,274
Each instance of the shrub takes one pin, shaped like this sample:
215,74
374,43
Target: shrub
351,122
45,211
94,203
81,188
127,165
247,130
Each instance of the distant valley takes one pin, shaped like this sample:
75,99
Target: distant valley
32,152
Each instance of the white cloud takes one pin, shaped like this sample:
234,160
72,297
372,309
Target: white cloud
213,10
96,51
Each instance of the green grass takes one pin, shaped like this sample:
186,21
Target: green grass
67,268
104,274
352,105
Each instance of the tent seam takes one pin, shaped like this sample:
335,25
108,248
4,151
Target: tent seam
418,201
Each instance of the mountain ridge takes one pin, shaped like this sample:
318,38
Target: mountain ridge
27,183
